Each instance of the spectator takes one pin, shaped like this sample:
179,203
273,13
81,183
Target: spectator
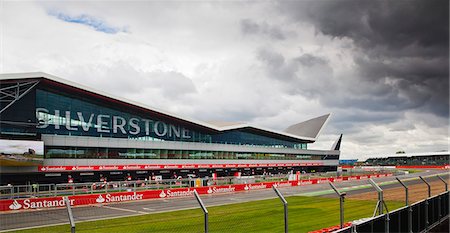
103,181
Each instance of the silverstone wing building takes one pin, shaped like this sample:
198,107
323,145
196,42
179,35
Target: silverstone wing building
85,132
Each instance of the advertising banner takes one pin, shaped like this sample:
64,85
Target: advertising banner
164,166
105,198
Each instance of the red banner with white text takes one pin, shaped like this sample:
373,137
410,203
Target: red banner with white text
166,166
105,198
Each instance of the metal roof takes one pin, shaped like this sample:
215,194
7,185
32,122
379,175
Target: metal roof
305,131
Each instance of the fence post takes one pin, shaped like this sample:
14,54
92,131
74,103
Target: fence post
381,204
407,204
406,191
445,183
205,211
69,212
426,202
429,187
285,208
341,203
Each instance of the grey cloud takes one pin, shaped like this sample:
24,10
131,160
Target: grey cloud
173,84
402,126
277,66
250,27
365,116
122,79
310,60
395,24
307,75
405,42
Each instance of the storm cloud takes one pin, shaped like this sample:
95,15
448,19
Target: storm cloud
402,49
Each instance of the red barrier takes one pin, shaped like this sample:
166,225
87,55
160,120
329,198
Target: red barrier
423,167
89,199
331,229
447,166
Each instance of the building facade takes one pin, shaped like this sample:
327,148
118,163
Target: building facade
85,132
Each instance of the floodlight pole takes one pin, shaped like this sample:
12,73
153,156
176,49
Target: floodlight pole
341,203
205,211
407,204
445,183
285,208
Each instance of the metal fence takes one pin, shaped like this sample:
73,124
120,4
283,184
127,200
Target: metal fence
416,217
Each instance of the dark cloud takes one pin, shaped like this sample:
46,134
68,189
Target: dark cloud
391,24
401,55
250,27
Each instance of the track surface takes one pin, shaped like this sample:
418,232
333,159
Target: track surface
27,219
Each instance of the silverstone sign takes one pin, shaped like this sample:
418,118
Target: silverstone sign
104,123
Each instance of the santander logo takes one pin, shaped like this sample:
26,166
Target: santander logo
178,193
228,189
255,186
282,184
119,198
100,199
39,203
162,194
15,205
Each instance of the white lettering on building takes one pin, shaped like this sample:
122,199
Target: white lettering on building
108,124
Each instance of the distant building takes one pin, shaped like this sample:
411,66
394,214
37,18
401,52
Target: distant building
426,158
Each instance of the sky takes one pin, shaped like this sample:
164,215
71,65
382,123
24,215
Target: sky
381,68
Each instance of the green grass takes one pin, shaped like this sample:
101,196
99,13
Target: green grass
411,171
305,214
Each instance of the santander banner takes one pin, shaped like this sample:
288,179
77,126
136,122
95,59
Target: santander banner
447,166
105,198
166,166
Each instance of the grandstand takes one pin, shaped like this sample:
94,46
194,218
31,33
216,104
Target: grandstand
428,158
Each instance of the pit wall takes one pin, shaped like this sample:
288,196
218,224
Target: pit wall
104,198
